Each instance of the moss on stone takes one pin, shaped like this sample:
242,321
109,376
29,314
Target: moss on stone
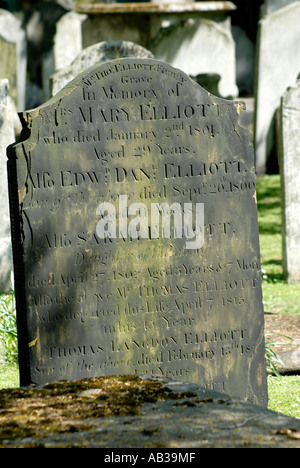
61,407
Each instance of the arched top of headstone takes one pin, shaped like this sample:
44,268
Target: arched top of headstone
149,89
95,54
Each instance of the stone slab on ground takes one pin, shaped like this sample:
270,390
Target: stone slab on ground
133,412
284,330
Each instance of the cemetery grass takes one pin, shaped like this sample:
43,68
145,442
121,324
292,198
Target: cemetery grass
279,297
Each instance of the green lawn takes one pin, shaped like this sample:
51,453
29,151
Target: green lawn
279,297
9,375
284,395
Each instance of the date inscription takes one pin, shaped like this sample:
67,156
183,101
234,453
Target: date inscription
139,302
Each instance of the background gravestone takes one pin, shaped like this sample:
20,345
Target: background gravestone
97,53
142,302
272,5
289,157
67,44
179,44
13,57
278,65
173,32
7,136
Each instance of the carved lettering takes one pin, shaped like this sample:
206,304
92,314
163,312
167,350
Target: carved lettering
43,180
112,93
79,350
203,169
123,271
90,115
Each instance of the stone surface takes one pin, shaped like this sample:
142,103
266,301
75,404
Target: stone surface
7,136
289,161
141,291
138,413
278,68
284,332
13,57
97,53
173,32
272,5
158,7
179,45
67,45
247,117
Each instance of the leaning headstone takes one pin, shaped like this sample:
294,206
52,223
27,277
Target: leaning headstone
7,136
278,67
97,53
289,157
13,56
135,228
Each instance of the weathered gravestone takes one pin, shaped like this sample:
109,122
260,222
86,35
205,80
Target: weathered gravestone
112,277
278,64
289,159
67,44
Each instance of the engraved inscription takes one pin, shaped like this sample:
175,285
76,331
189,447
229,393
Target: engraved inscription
106,289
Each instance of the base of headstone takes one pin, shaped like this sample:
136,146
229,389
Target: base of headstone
130,412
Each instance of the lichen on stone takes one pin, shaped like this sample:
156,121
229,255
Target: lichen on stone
61,407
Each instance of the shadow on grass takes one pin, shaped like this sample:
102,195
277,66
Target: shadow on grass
269,205
269,217
268,187
269,228
273,277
